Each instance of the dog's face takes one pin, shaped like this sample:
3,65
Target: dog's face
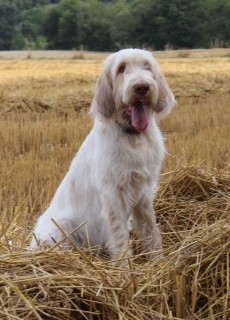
130,89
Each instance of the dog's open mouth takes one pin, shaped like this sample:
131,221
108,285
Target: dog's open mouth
139,117
135,118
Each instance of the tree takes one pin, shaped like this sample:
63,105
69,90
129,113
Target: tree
31,28
121,30
8,23
94,25
217,28
68,34
176,22
50,25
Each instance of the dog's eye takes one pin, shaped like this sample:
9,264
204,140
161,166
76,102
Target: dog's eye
121,69
147,66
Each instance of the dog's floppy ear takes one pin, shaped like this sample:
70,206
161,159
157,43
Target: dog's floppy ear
103,101
166,100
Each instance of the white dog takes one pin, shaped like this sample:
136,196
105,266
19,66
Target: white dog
114,175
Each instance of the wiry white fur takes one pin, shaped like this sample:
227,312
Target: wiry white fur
114,174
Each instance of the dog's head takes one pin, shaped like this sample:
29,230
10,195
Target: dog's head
130,89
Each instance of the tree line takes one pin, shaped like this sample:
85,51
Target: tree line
110,25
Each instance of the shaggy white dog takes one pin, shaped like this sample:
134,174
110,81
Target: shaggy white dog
114,175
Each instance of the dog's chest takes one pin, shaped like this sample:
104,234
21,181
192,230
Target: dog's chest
132,161
132,171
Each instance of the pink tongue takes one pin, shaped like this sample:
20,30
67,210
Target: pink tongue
140,119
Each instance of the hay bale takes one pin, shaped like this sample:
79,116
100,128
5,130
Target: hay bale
190,282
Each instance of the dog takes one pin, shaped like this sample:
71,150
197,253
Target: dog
114,176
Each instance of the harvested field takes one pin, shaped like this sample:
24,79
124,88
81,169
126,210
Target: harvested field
43,120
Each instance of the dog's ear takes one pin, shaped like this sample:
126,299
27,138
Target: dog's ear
103,101
166,100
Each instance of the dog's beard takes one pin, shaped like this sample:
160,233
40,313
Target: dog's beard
125,123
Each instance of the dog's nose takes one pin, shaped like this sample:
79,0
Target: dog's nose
141,88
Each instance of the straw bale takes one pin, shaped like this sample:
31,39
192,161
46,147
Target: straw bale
191,281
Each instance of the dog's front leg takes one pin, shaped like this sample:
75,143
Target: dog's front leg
118,241
144,222
117,231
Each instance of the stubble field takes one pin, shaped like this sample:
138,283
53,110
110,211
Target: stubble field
44,118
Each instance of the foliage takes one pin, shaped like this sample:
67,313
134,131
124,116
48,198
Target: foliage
8,21
110,25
